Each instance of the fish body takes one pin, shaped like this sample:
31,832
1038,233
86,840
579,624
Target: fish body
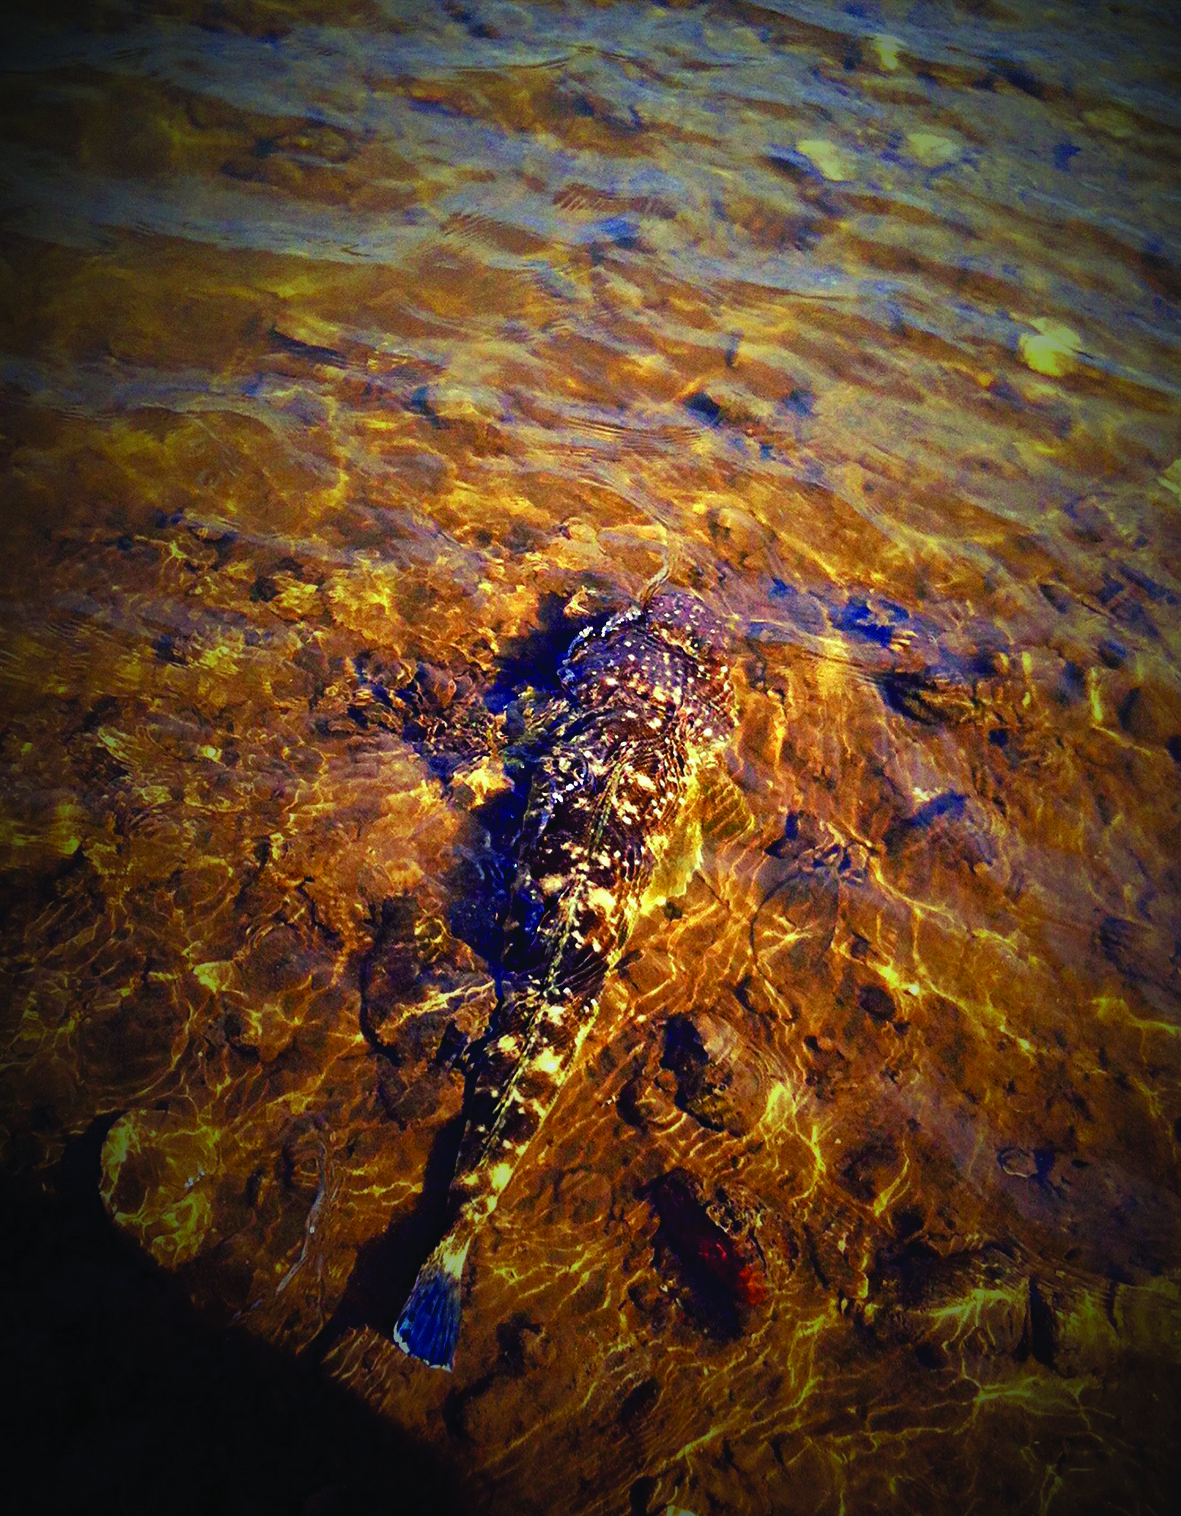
648,700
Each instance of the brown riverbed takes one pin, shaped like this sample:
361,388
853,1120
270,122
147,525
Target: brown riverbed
355,359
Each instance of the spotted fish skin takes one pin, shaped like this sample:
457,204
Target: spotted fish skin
648,701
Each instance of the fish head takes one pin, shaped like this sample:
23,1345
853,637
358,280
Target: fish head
668,657
680,619
677,619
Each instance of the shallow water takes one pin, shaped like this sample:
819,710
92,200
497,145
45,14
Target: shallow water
379,350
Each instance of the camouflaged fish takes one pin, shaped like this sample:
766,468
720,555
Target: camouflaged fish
648,700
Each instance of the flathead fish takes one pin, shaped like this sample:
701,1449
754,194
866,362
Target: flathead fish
647,702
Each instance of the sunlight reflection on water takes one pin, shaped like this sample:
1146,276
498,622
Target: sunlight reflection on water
353,365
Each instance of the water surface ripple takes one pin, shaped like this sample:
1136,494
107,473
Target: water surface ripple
357,356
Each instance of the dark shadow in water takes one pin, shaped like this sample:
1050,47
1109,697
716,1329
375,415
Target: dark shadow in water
392,973
533,658
386,1267
125,1399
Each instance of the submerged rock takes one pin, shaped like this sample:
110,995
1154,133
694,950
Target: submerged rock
707,1251
713,1084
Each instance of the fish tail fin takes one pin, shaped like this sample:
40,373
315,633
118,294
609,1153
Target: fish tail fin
428,1327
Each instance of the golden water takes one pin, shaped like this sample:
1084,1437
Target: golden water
418,331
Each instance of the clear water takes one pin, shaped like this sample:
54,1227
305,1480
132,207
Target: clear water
429,332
